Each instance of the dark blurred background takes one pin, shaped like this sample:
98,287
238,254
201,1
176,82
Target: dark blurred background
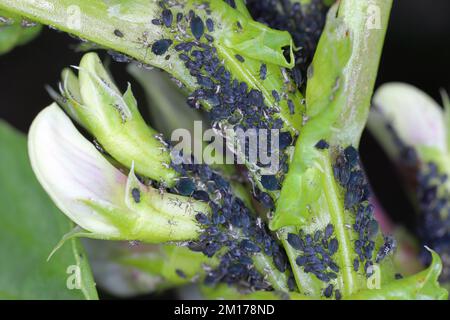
417,51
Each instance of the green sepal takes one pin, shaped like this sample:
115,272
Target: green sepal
114,120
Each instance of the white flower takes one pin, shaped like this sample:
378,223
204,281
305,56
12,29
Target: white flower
70,168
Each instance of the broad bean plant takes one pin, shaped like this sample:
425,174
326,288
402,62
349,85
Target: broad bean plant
275,202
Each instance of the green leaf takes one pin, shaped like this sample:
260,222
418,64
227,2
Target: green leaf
325,102
30,226
421,286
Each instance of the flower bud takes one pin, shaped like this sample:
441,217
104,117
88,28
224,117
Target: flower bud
94,101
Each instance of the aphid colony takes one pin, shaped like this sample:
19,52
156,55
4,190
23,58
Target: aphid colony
231,102
231,232
348,173
230,229
432,197
316,255
304,23
435,212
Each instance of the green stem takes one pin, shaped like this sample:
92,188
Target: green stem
305,284
265,265
337,215
338,99
367,22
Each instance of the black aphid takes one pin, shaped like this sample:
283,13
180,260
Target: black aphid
356,264
279,261
263,71
185,186
118,33
250,246
351,154
291,106
333,266
385,249
317,235
231,3
266,200
285,140
270,182
329,229
322,276
210,25
136,194
209,37
197,27
337,294
157,22
160,47
308,239
255,98
202,218
322,144
291,283
276,95
240,58
118,57
201,195
180,273
167,17
328,292
398,276
297,76
301,261
368,268
295,241
179,17
210,249
333,246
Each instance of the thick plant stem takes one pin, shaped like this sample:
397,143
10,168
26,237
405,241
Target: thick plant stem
367,22
337,216
338,100
96,21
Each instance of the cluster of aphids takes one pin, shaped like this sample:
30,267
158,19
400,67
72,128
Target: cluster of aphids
434,215
349,174
231,103
434,207
304,23
433,202
231,230
316,253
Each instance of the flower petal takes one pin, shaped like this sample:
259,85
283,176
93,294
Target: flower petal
71,169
